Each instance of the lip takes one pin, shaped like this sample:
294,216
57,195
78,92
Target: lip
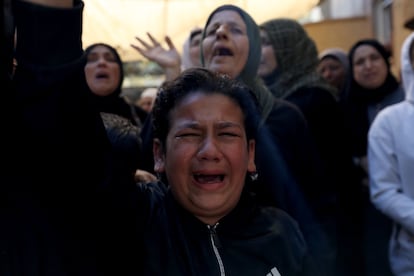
219,47
216,181
102,75
370,75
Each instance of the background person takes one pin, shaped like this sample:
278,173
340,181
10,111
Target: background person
105,75
371,87
334,66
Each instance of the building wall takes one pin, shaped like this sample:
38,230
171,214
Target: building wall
342,33
402,11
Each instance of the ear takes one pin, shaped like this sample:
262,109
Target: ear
159,157
251,166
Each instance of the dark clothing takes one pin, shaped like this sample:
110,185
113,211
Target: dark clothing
47,215
361,106
69,211
251,240
114,103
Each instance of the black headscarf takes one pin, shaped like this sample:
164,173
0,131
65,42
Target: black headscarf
357,99
112,103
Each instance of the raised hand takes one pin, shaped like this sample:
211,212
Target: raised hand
153,51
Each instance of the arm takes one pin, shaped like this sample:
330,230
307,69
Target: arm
56,119
169,60
52,3
386,188
62,146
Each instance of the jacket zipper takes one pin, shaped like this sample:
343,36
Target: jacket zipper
215,243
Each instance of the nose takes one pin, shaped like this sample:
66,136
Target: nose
221,31
368,63
327,74
102,61
209,150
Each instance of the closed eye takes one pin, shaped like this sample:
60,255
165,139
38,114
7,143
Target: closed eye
187,134
236,30
231,134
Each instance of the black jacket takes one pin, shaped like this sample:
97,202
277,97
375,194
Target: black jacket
251,240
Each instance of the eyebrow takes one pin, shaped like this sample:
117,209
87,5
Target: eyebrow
220,125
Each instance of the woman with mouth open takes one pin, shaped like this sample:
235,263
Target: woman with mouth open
286,158
204,222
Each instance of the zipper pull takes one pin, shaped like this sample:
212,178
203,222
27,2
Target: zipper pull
214,235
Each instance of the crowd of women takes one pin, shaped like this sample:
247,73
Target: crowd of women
254,160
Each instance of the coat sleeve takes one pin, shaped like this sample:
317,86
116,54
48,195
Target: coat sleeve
64,138
60,146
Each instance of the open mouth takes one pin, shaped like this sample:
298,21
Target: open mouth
102,76
221,51
208,179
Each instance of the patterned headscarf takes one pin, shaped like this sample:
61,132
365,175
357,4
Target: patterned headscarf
249,73
296,55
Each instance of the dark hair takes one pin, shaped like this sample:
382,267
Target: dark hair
195,33
205,81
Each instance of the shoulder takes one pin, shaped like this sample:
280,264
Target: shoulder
280,224
391,119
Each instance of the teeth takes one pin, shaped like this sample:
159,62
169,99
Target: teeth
222,52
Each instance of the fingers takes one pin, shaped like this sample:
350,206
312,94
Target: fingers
169,43
144,176
153,40
140,50
145,44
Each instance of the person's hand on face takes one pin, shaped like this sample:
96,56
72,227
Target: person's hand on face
102,71
226,45
207,155
369,67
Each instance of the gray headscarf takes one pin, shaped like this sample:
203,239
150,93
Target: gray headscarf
337,53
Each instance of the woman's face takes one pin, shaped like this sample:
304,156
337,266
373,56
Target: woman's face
226,45
207,155
333,71
195,50
369,67
102,71
268,62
